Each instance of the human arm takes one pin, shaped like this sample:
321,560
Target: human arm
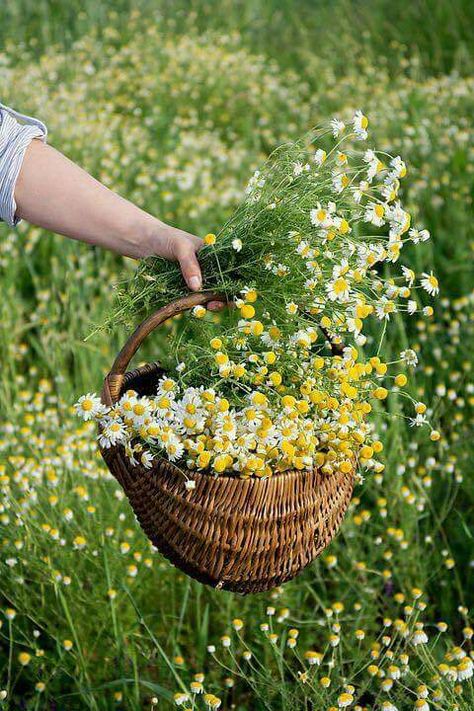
56,194
41,185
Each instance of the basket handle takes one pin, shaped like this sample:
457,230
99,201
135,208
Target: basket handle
116,375
114,380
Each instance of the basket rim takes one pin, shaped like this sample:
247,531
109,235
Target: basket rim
146,368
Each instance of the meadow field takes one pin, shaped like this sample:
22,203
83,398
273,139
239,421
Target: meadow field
174,105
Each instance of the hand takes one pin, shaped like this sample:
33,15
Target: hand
176,245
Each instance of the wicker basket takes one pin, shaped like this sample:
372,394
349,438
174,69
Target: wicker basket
243,535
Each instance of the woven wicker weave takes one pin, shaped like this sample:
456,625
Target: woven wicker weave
244,535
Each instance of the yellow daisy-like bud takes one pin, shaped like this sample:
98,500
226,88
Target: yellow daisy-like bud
210,239
288,448
203,460
256,328
238,370
288,401
247,311
259,398
344,227
275,378
221,463
270,357
251,296
199,311
366,452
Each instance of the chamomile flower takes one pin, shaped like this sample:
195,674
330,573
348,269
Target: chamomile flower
146,459
358,191
374,213
272,397
319,156
360,124
113,433
399,169
340,181
409,356
337,127
418,235
339,290
409,275
89,407
322,216
430,283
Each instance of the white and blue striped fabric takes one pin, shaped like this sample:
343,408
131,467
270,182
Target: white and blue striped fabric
16,133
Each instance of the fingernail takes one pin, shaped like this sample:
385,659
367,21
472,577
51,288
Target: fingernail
195,283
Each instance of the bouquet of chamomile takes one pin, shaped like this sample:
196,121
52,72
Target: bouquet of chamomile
288,378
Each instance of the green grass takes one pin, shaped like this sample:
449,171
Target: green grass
210,109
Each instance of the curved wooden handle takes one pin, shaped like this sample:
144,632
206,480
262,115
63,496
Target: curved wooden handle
117,372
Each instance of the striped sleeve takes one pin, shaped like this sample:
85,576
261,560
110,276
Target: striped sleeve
15,137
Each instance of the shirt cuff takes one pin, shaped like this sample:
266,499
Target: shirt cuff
14,141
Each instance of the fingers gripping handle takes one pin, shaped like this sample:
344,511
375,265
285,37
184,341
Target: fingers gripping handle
114,379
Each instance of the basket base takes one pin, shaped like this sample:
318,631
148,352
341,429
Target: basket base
242,535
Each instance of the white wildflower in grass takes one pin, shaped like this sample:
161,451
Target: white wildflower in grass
421,705
313,658
419,635
199,311
180,698
409,356
307,262
345,700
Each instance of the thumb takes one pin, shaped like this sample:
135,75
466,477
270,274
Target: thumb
190,266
